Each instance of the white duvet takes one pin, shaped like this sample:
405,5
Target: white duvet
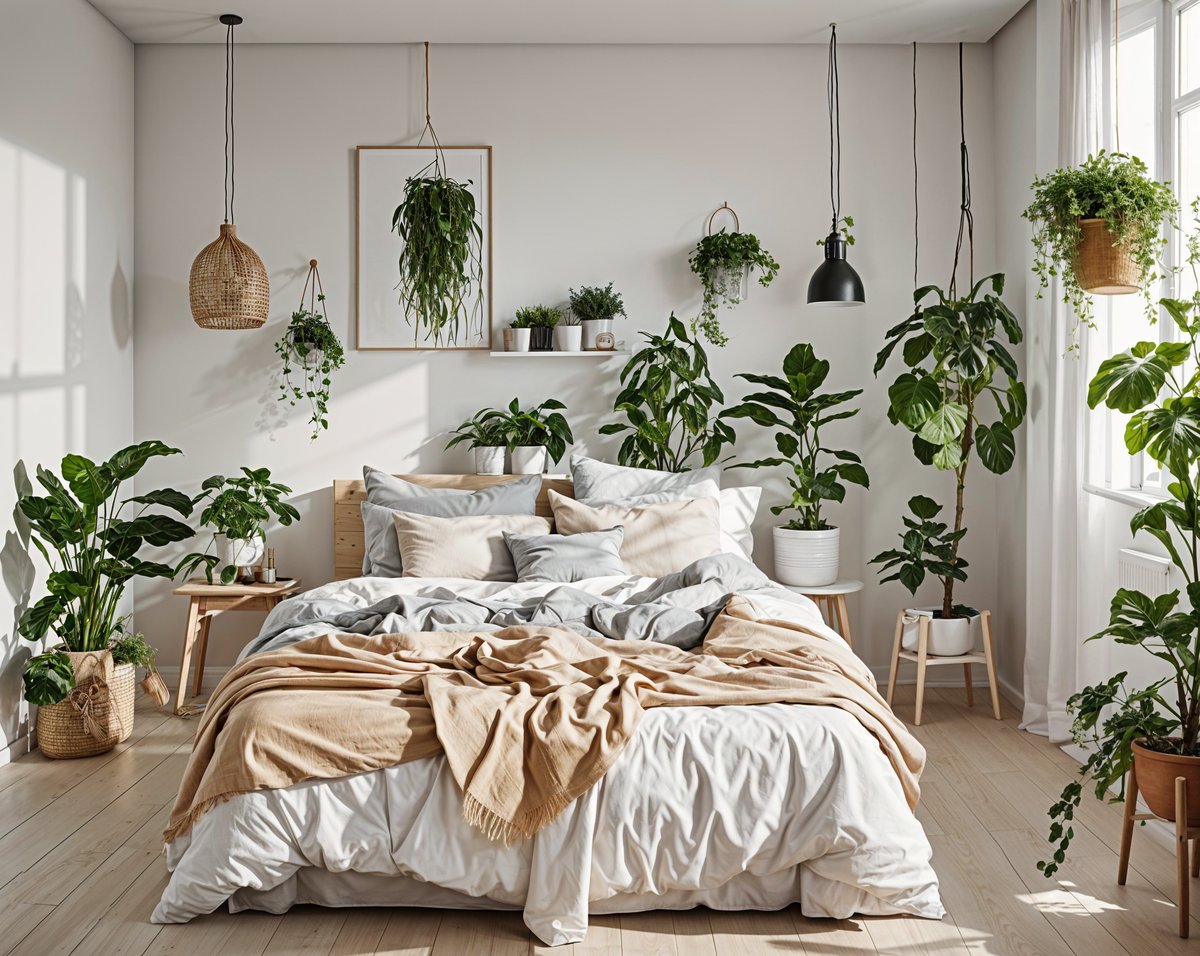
732,807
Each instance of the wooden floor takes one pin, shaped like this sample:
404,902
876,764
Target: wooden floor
80,870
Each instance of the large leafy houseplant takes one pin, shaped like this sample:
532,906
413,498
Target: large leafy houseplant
957,367
721,260
311,352
1113,187
1157,385
543,426
669,400
93,538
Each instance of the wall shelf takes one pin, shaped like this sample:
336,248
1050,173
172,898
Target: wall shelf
594,354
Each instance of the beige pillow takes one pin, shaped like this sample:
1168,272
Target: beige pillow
660,538
470,547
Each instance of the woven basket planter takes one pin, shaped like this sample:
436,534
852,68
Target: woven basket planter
98,713
229,288
1101,267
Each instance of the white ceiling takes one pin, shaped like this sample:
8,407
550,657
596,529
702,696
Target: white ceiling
560,21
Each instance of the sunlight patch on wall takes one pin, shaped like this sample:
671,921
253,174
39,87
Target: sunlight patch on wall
42,290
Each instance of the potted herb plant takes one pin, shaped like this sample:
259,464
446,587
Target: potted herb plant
1098,227
517,335
93,538
670,403
806,548
723,262
533,434
485,434
956,367
568,334
540,320
237,509
596,307
311,351
1155,730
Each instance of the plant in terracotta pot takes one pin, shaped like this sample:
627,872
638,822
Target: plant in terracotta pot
806,548
957,369
311,352
1098,228
723,261
1155,730
486,434
540,320
596,307
533,434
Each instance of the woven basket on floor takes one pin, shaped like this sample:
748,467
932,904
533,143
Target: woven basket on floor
1100,267
229,288
98,713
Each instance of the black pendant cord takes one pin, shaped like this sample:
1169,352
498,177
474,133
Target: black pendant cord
916,195
230,136
966,219
835,131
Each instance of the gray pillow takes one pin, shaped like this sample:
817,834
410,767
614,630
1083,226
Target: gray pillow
599,479
381,552
566,558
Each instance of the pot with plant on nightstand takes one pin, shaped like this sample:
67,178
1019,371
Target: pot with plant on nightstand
596,308
485,434
807,547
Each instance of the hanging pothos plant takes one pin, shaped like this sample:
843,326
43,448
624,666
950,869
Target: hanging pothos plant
722,260
311,351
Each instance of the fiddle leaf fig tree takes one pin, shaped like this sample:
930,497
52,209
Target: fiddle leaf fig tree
960,393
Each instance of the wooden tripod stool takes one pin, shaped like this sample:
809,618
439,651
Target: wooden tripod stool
1183,834
922,658
831,602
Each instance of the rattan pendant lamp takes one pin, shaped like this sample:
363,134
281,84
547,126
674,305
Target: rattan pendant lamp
228,287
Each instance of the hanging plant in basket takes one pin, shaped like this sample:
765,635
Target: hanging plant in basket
723,261
1098,228
311,352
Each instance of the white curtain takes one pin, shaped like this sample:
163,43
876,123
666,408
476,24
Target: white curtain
1056,514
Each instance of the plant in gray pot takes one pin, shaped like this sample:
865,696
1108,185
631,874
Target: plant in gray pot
596,308
806,548
486,434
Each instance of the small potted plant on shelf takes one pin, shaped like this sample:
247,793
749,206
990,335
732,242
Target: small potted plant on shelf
94,538
806,548
723,262
535,433
486,435
517,335
1155,730
568,334
237,510
540,320
596,307
956,364
670,402
1098,227
311,351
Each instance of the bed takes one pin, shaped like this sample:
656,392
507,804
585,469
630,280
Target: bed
733,807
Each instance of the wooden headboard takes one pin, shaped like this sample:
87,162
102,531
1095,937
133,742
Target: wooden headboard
348,544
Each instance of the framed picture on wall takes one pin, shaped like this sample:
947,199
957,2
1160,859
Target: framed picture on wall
386,318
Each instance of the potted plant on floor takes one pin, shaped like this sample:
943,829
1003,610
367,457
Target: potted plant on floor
670,403
723,262
237,510
485,434
311,351
806,548
533,434
568,334
540,320
956,368
1098,228
1153,729
93,537
596,308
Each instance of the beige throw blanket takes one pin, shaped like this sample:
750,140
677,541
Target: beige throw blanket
529,717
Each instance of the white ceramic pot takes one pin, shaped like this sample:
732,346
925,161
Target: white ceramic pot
591,329
806,558
308,355
489,460
568,338
519,340
528,460
240,552
947,638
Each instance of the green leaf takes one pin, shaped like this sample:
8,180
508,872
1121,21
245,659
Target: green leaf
914,399
923,507
1131,380
48,678
944,424
40,618
168,498
127,462
91,483
997,449
948,457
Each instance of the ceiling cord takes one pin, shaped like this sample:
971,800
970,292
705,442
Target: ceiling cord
835,130
916,198
966,219
230,136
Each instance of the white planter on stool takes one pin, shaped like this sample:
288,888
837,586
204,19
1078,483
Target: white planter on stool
947,638
806,558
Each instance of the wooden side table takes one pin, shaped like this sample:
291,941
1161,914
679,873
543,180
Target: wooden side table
205,601
831,602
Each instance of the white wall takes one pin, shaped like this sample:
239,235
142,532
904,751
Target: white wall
607,161
66,268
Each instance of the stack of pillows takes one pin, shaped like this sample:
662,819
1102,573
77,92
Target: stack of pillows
621,521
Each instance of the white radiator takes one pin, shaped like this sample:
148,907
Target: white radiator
1143,572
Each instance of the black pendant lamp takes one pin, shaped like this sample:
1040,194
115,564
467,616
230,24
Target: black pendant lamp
835,283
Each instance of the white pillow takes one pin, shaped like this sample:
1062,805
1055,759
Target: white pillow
599,479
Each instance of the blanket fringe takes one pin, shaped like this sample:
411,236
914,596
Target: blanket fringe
499,830
195,812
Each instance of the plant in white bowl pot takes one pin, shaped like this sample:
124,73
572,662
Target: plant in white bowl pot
237,511
806,548
596,308
485,433
534,434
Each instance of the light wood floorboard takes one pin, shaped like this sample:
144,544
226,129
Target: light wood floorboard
81,869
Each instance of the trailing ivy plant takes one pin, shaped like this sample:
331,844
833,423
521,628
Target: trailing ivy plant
311,351
720,260
956,366
670,402
794,406
1117,188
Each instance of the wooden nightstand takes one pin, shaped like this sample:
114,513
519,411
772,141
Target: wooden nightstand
831,602
205,601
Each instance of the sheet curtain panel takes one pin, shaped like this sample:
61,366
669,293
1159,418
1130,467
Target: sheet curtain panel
1058,509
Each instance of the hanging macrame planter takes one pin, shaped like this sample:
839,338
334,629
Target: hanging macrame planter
311,352
228,287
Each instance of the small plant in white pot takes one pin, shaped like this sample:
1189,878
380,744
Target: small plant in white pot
568,334
534,434
486,435
596,308
807,547
541,321
517,335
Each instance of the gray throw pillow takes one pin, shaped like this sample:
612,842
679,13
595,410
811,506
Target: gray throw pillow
599,479
566,558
